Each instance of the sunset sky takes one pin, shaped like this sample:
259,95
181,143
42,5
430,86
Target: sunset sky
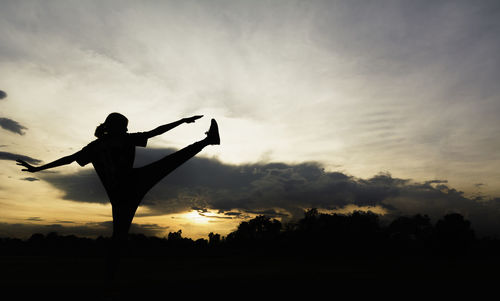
384,105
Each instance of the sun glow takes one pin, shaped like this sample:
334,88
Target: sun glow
348,209
198,223
199,216
196,217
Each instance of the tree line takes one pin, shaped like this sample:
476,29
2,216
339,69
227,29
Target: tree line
355,234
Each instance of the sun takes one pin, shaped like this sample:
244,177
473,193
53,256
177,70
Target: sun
196,217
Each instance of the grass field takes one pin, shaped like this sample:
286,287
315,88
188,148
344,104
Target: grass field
181,270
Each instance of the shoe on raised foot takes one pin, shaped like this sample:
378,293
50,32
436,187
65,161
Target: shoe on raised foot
213,133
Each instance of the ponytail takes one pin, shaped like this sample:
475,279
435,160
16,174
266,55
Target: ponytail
100,130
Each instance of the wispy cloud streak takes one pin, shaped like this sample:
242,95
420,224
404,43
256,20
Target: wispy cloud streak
14,156
12,126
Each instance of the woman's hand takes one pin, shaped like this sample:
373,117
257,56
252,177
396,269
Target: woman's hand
192,119
29,167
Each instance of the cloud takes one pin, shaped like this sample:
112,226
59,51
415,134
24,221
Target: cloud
3,94
283,190
146,229
30,179
12,125
34,219
86,230
13,156
83,186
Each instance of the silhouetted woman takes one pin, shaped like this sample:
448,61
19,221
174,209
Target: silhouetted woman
112,155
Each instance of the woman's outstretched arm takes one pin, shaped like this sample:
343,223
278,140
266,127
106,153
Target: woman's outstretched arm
62,161
167,127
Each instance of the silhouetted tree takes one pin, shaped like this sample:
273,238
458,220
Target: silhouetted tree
311,214
454,234
214,239
357,234
36,239
335,232
310,221
257,230
363,223
174,236
410,232
175,239
201,243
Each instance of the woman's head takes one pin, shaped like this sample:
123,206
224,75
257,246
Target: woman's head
115,123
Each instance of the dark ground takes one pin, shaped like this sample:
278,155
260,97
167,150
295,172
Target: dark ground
83,277
321,257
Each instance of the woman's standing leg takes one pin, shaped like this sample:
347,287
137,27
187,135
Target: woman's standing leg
123,214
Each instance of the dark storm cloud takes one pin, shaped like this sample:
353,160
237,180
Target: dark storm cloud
13,156
86,230
282,190
146,229
3,94
12,126
83,186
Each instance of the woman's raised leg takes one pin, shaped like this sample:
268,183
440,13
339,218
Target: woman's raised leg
147,176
